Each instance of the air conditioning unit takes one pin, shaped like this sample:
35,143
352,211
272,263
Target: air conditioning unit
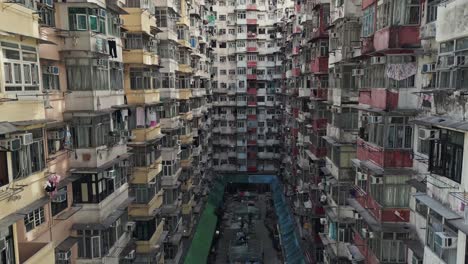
178,142
374,119
152,44
461,60
356,215
64,255
60,197
358,72
52,70
371,235
26,138
11,144
278,90
102,12
323,221
334,35
378,60
130,227
99,62
361,176
428,134
364,232
416,260
55,135
130,255
338,75
376,180
445,240
111,174
430,67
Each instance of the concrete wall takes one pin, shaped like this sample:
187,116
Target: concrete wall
452,20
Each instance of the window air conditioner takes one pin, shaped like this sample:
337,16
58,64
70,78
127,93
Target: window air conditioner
60,197
445,240
26,138
361,176
111,174
323,221
376,180
430,67
378,60
52,70
11,144
64,255
130,255
428,134
358,72
130,227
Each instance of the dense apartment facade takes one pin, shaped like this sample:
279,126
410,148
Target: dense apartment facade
97,162
389,184
246,75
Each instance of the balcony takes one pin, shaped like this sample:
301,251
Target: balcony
385,158
252,49
252,64
185,68
251,76
146,210
251,35
367,45
99,156
140,57
186,139
251,21
157,238
36,252
319,94
304,92
428,31
251,7
319,65
141,97
146,134
379,98
144,175
397,37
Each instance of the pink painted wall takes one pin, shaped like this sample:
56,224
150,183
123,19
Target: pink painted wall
396,37
398,158
380,98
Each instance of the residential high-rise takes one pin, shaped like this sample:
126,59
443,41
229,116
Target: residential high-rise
84,99
246,75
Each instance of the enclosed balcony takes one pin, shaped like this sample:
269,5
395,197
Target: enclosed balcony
386,140
36,252
140,48
398,26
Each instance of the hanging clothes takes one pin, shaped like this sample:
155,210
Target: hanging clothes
140,117
152,117
401,71
112,48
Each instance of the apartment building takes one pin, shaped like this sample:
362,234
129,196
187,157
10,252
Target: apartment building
246,76
84,104
388,186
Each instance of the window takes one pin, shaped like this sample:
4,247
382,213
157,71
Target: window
95,188
241,15
231,32
34,219
82,19
222,17
7,248
145,229
50,80
368,21
446,155
20,65
29,159
431,14
60,201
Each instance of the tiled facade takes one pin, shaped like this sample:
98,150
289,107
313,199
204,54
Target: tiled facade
106,102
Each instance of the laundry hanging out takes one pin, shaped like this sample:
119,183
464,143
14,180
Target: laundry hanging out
112,48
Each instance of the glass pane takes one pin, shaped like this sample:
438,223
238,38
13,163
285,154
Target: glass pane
93,23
